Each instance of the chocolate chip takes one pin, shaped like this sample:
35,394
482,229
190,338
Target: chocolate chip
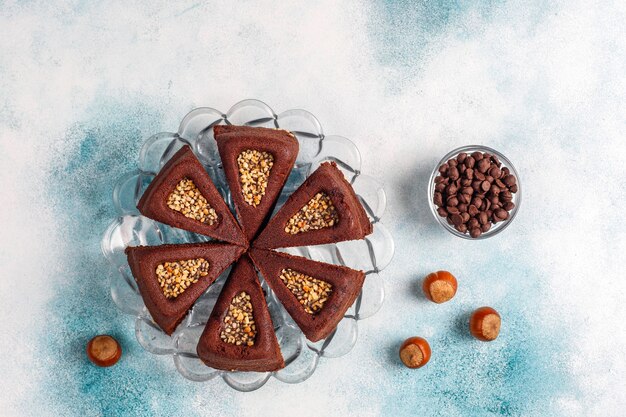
509,180
508,206
438,199
473,192
461,228
451,189
456,219
483,165
494,171
501,214
506,196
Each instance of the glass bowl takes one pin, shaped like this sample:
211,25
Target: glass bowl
495,228
130,228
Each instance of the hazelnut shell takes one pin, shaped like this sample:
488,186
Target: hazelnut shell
485,324
439,286
415,352
104,351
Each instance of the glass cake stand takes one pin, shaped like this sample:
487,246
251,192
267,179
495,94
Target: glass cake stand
130,228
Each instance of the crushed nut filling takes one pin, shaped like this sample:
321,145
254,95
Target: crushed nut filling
311,292
175,277
317,214
239,327
254,172
187,199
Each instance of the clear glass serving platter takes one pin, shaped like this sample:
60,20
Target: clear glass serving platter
130,228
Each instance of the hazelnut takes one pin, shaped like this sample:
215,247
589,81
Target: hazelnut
439,286
415,352
103,350
485,324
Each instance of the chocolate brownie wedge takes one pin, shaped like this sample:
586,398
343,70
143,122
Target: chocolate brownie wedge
257,162
315,294
324,209
239,335
172,277
184,196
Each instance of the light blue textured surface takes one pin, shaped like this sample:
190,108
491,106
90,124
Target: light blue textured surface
83,84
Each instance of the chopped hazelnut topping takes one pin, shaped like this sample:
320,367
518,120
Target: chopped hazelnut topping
254,172
175,277
319,213
187,199
239,327
311,292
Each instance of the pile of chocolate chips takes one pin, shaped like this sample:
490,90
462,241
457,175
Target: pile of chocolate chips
474,191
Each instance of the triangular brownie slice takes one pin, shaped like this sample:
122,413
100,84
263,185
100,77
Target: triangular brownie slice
315,294
239,335
257,162
183,195
172,277
324,209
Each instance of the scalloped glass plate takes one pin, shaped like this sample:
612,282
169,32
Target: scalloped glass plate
130,228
